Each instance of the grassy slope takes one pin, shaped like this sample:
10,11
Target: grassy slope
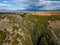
37,25
33,25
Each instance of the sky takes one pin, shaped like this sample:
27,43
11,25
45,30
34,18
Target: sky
29,5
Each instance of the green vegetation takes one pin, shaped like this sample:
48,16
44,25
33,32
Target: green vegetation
15,42
27,29
2,35
37,27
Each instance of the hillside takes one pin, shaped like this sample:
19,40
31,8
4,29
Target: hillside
29,29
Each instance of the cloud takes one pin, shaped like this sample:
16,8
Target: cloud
31,4
4,5
21,3
37,4
51,5
5,1
17,1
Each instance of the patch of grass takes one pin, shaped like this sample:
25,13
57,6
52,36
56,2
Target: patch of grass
15,42
18,36
2,35
7,41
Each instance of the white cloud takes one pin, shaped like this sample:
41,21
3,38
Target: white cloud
5,1
52,2
25,4
44,2
40,2
22,8
22,4
20,1
51,5
2,4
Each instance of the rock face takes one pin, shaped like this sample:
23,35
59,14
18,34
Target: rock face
11,32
